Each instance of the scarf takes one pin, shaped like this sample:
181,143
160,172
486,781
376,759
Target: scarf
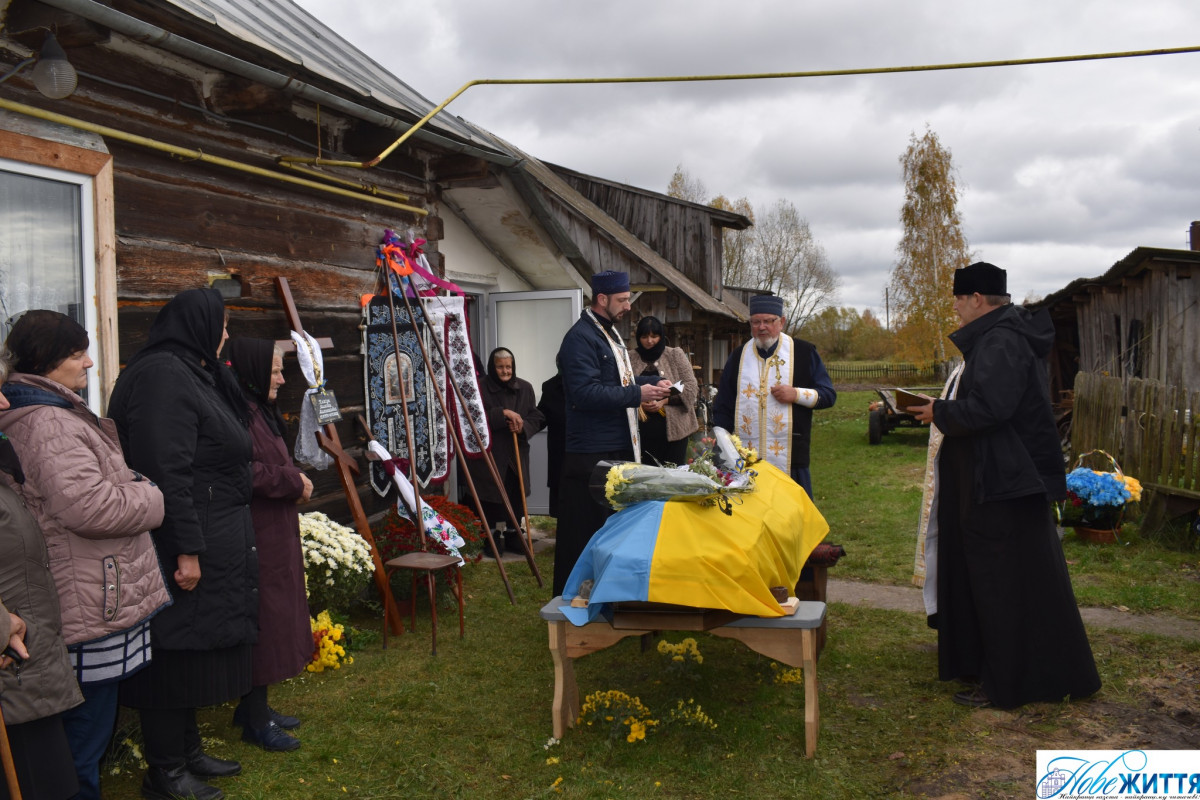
190,326
509,385
251,360
654,353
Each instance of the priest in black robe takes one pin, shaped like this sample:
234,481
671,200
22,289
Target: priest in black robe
1007,621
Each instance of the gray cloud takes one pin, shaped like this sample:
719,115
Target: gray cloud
1064,168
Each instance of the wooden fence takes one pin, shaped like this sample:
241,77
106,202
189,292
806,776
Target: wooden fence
887,372
1150,428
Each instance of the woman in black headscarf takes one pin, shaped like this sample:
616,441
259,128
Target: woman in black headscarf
183,424
510,406
285,642
665,425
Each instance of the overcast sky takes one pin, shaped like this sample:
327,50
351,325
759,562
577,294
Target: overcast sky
1063,168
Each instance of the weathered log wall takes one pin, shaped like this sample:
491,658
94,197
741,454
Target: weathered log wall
180,224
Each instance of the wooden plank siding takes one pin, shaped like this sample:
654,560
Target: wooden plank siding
1150,428
682,234
1145,325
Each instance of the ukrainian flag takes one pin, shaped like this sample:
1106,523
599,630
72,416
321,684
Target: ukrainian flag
688,554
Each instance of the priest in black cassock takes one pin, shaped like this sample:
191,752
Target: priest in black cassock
1008,625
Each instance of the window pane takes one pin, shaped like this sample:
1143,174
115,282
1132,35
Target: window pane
41,263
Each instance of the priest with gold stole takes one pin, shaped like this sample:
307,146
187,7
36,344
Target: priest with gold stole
770,387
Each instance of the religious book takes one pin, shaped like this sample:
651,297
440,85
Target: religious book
676,388
905,400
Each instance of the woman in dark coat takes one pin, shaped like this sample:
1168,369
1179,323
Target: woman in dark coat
285,642
183,424
510,408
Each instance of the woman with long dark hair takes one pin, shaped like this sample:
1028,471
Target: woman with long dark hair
183,423
285,642
665,425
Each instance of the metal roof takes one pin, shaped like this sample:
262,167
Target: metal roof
291,33
1130,265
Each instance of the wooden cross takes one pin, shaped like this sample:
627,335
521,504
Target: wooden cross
328,440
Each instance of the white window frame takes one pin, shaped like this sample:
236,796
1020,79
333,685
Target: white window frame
91,170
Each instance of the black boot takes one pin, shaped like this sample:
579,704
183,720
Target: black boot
202,765
513,543
177,784
487,548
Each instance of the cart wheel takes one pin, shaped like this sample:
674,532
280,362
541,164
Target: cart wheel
875,426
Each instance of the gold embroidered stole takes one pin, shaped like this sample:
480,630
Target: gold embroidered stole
761,420
621,354
925,563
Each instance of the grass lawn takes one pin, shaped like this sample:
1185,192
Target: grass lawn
474,722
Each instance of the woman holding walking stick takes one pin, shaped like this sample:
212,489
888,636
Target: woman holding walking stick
511,409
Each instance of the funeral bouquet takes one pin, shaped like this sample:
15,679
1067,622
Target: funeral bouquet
337,562
1097,498
711,477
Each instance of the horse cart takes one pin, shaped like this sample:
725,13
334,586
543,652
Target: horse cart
888,412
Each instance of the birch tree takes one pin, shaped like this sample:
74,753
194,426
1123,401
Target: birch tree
685,186
931,248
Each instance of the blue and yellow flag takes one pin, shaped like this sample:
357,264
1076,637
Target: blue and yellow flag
688,554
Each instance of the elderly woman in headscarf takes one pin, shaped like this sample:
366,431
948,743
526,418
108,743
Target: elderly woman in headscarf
511,409
36,686
96,514
285,643
184,424
665,425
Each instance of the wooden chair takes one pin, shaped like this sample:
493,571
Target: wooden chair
429,564
418,562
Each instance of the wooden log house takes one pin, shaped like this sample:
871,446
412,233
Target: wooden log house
188,156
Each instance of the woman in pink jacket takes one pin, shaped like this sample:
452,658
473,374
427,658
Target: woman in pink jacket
95,513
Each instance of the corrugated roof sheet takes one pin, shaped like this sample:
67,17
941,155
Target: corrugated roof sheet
287,30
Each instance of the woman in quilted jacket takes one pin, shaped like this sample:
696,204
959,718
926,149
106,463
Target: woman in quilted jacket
36,686
95,513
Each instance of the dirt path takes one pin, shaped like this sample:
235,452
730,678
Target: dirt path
908,598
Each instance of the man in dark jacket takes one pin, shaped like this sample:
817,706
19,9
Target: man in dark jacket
1007,621
602,396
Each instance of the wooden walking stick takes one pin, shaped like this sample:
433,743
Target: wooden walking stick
521,480
6,756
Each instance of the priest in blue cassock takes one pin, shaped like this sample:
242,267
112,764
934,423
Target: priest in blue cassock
770,387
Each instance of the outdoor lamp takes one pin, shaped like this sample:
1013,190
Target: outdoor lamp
53,74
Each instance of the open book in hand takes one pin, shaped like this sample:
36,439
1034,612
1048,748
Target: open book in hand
676,388
906,400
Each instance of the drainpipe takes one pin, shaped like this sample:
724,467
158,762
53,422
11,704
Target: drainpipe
155,36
